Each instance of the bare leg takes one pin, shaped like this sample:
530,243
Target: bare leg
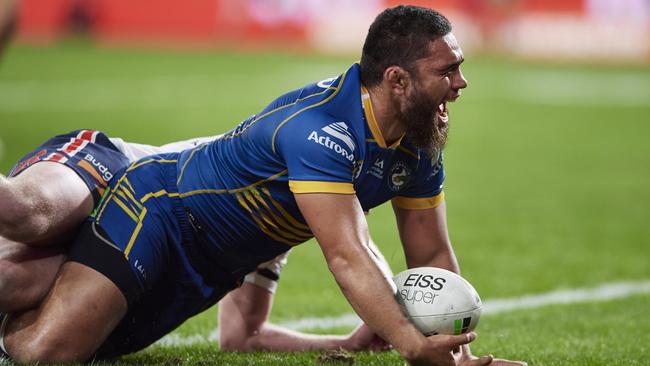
43,203
75,318
26,274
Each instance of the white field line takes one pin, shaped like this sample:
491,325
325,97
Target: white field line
604,292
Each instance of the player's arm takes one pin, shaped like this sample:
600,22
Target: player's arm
244,319
425,237
338,223
426,243
244,327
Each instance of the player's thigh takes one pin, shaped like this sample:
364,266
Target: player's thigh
58,196
26,274
75,318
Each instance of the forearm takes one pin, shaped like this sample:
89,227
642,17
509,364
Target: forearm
372,298
271,337
443,259
425,238
338,224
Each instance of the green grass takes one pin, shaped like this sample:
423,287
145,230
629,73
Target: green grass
548,181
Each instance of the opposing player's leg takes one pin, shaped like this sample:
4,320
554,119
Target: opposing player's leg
26,274
44,202
75,318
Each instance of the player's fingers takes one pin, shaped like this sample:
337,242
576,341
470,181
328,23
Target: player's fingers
481,361
501,362
459,340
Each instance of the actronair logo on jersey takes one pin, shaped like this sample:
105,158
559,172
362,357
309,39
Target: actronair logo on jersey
338,130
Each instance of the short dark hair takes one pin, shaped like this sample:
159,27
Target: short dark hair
399,36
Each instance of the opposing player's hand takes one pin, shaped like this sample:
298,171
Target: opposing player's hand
440,350
466,358
364,339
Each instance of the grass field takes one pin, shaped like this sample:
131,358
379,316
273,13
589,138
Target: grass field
548,183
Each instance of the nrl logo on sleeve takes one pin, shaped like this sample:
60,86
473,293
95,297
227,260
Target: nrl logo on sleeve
338,130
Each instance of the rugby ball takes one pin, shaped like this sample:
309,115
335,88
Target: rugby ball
438,301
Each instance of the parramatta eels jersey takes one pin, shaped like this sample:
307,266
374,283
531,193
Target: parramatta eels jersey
322,138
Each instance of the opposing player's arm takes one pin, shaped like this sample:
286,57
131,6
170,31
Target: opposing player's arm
425,237
244,320
244,327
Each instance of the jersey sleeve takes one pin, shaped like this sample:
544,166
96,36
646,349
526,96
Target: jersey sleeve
426,190
319,154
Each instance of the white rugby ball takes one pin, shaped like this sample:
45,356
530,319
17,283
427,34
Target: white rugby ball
438,301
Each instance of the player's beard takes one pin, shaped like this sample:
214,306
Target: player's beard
426,124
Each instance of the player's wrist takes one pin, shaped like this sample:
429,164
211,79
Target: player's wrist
410,345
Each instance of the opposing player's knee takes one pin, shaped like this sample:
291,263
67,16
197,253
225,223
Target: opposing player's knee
23,210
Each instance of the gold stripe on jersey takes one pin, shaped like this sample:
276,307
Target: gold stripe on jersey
122,188
336,91
284,212
126,209
157,194
135,233
128,185
256,119
279,220
372,121
236,190
142,215
100,211
123,178
180,176
137,165
409,152
271,223
410,203
261,225
128,203
299,186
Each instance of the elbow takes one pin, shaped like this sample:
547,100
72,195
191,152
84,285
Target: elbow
234,344
239,337
338,264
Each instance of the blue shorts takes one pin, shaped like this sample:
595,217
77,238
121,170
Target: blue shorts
88,153
144,240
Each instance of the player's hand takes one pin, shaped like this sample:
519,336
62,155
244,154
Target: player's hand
466,358
364,339
439,350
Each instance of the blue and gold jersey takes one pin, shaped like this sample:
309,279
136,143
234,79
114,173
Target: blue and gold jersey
321,138
192,224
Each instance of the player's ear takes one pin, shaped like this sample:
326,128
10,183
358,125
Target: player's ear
397,79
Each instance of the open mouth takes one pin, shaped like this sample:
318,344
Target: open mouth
443,114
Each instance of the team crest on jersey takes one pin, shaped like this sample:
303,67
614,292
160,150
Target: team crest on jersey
338,130
399,176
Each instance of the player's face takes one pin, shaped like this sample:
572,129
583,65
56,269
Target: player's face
437,79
